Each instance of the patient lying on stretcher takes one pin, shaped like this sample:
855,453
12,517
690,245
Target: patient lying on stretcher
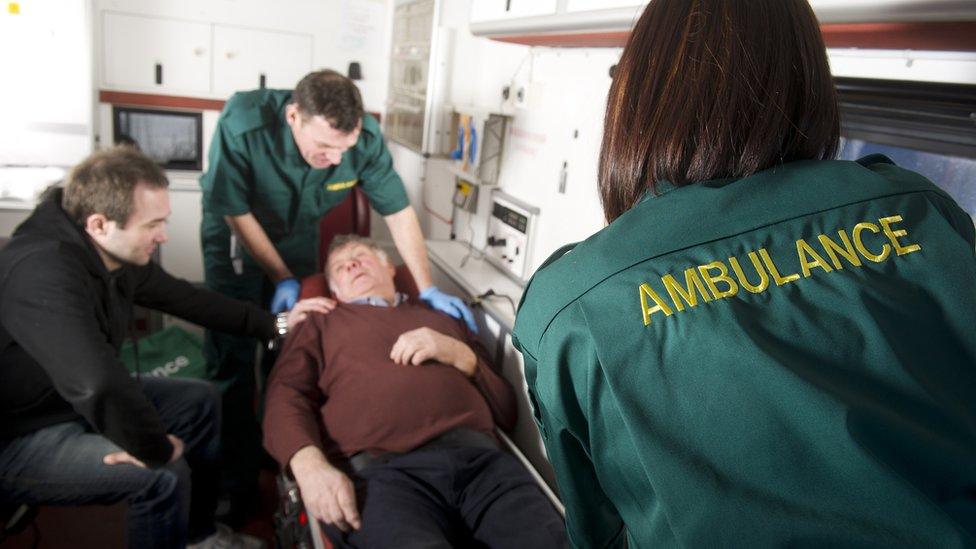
385,410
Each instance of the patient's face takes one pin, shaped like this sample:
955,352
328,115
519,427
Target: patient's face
358,271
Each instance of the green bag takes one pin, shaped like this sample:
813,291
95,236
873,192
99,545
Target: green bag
170,352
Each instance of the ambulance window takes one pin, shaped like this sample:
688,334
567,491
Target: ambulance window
929,128
955,174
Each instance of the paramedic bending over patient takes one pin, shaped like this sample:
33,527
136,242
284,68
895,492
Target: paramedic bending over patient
279,161
765,347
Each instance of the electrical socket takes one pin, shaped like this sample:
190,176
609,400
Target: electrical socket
521,93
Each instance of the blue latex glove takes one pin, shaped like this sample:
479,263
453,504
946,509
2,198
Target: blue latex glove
450,305
285,296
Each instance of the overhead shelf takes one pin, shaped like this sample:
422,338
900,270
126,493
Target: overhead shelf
889,24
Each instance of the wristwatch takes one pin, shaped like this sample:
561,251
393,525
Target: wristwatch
280,330
281,324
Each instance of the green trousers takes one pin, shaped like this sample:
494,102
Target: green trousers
231,367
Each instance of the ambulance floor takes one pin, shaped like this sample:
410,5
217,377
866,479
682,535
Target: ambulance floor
102,527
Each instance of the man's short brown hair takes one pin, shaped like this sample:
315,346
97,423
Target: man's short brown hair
713,89
104,183
332,96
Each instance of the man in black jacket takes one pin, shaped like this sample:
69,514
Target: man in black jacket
75,427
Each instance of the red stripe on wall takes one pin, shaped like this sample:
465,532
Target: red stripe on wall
938,36
163,101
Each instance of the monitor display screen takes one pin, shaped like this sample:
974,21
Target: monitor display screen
174,139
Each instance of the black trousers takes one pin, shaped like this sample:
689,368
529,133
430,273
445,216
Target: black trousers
451,497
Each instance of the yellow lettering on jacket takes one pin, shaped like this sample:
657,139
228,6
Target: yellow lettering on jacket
702,282
722,276
659,304
771,267
689,292
743,281
859,243
809,258
893,235
833,249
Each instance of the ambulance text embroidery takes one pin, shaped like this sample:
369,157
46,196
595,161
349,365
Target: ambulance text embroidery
720,280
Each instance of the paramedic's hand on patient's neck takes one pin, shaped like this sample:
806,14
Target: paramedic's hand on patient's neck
449,304
328,493
116,458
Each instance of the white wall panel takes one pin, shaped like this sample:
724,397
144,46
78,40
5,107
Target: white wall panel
46,104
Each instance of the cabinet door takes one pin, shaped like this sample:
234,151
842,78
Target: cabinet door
591,5
181,255
244,59
155,55
495,10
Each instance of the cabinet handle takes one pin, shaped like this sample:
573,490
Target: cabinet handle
262,81
230,55
199,51
508,5
159,73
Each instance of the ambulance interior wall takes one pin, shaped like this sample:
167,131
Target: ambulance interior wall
558,128
333,47
558,123
46,96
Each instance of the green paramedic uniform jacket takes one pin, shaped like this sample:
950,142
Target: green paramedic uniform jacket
255,166
787,359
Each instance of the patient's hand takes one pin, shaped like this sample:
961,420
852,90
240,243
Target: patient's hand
416,346
328,493
301,309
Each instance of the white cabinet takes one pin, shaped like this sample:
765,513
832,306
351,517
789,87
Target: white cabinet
155,55
592,5
246,59
494,10
181,255
174,57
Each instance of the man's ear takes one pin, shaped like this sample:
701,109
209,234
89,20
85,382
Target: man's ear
97,225
292,114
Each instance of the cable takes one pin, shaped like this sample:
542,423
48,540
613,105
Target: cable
470,243
511,80
490,294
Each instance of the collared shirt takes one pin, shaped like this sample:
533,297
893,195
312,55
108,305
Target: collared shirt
378,301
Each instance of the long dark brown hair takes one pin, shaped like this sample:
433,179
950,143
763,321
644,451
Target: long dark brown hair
709,89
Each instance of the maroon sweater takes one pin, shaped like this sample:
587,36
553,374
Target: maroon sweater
335,387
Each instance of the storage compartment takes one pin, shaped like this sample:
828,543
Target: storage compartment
248,59
155,55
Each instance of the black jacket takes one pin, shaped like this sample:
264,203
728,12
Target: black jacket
63,318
